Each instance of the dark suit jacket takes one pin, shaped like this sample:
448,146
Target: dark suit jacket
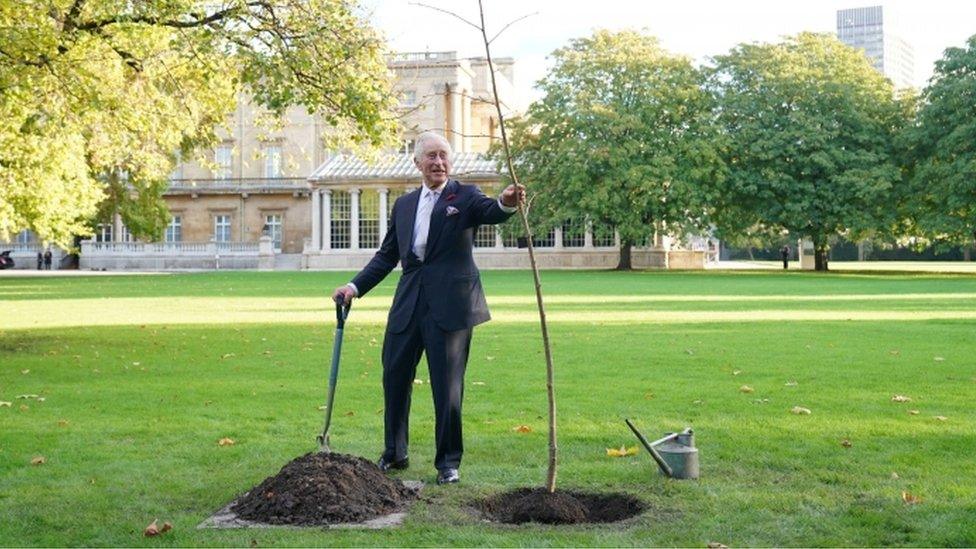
450,280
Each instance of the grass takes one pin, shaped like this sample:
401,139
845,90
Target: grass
141,376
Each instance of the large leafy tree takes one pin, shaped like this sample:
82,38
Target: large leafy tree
98,98
942,144
811,128
622,137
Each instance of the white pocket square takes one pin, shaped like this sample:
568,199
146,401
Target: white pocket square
451,210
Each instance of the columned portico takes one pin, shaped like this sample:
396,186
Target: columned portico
351,204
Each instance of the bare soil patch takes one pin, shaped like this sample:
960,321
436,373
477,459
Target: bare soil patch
560,507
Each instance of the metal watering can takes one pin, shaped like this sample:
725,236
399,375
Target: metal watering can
675,453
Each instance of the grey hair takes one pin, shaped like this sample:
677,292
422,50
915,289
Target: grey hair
421,143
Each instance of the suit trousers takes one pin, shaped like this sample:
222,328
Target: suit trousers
447,359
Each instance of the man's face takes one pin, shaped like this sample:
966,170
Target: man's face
434,163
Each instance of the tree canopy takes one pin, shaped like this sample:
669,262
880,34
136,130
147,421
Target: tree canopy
98,98
942,147
622,137
810,149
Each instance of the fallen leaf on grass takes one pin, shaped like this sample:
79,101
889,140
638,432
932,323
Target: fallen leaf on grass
791,383
900,398
151,530
63,423
38,460
846,443
910,498
226,355
941,418
800,410
323,407
736,372
894,476
349,413
761,401
24,407
166,527
418,382
894,352
716,545
477,383
225,442
938,359
913,412
522,429
27,396
746,389
622,451
5,403
25,372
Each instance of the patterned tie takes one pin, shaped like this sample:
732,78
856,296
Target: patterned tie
422,223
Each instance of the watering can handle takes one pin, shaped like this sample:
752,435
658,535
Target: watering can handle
665,468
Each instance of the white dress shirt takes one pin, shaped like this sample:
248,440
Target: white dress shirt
421,223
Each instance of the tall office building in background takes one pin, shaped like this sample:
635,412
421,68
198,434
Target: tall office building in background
864,28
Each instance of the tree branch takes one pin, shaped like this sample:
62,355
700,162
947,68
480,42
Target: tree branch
451,13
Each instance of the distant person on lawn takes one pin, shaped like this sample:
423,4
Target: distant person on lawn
438,301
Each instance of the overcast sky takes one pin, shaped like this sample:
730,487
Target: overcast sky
697,28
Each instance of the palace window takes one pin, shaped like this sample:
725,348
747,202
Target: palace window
369,219
222,228
340,219
272,161
103,232
485,236
272,223
223,160
174,231
603,236
574,233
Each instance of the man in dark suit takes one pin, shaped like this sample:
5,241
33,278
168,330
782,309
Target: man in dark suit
438,300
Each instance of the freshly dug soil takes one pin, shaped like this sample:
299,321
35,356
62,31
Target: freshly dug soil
320,489
538,505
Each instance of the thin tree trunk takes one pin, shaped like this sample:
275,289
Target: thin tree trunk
625,263
550,390
751,257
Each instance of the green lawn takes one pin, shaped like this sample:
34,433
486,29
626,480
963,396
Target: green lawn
142,375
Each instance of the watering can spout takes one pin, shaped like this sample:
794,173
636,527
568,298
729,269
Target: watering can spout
675,453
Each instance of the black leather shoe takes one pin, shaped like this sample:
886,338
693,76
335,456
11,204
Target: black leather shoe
448,476
385,465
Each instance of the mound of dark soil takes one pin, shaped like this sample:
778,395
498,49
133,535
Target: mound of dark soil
324,489
538,505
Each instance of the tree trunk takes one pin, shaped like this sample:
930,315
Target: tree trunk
751,257
625,263
967,254
820,250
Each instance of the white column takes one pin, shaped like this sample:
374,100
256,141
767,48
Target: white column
499,243
354,219
384,202
326,219
117,228
588,235
316,220
558,237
